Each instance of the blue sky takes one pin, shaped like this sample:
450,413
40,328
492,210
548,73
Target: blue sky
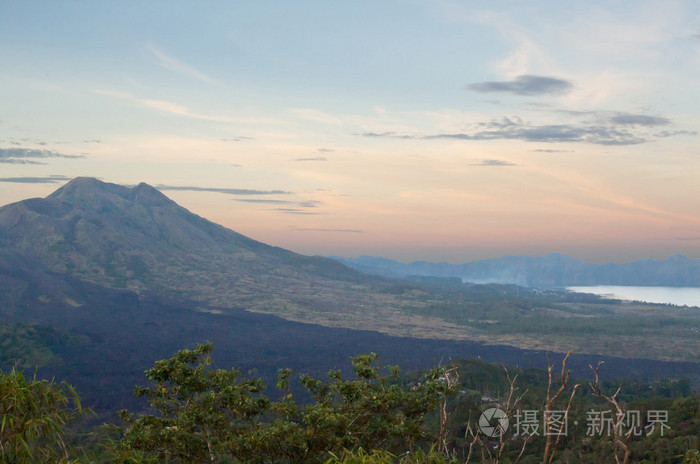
435,130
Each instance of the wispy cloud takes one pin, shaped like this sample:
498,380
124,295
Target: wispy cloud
607,128
315,158
30,155
265,201
172,64
526,85
227,191
311,114
315,229
639,120
9,154
164,106
18,161
493,162
547,133
295,211
615,118
390,134
237,139
663,134
544,150
35,180
597,135
309,204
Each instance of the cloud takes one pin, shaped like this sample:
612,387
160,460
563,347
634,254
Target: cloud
237,139
18,161
316,158
566,111
525,85
314,229
618,117
17,153
503,122
294,211
544,150
227,191
311,114
598,135
639,120
35,180
297,204
325,150
264,201
309,204
606,129
391,134
672,133
164,106
493,162
177,66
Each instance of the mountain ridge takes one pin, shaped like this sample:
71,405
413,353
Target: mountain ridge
553,270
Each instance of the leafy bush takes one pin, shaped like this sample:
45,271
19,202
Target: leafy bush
213,415
33,417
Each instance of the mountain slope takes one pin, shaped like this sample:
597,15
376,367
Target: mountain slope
140,240
101,340
549,271
132,237
56,251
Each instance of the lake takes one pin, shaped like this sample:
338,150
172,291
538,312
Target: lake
689,296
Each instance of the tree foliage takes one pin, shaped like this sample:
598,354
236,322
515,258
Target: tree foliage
199,414
212,415
34,415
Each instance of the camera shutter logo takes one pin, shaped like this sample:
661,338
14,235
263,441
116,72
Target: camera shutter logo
493,422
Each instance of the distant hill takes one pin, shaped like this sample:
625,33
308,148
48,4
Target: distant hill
549,271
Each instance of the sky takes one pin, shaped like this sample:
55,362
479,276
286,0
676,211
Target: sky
410,129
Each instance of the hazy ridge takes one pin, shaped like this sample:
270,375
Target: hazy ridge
550,271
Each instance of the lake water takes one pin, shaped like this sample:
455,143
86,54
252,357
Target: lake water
689,296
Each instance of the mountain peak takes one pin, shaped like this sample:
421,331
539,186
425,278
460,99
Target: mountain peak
148,195
89,189
86,180
86,186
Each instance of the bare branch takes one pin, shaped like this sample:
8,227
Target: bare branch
550,448
621,441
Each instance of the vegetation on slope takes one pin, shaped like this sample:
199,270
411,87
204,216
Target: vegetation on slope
197,413
32,345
